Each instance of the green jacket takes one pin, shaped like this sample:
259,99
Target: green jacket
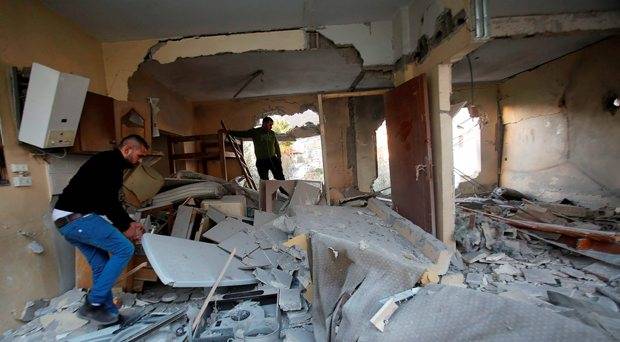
265,142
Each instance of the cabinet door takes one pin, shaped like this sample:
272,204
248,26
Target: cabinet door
96,129
132,117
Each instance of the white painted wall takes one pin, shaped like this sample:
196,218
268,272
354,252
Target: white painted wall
373,40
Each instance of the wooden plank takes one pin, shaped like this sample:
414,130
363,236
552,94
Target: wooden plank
595,235
409,143
375,92
183,222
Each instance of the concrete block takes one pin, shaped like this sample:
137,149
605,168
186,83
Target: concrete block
226,229
289,299
383,211
436,251
306,193
453,279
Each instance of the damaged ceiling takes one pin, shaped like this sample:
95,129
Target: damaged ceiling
220,76
503,58
118,20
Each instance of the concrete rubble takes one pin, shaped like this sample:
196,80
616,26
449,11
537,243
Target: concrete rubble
315,272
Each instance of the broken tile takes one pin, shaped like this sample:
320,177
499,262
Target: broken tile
261,258
573,272
242,242
474,279
306,193
28,313
289,299
274,277
226,229
287,262
507,269
542,276
262,217
61,322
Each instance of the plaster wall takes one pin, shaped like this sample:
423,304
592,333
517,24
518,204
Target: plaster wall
176,114
31,33
485,100
559,142
373,40
339,145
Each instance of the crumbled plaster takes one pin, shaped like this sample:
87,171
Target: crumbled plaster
291,40
372,40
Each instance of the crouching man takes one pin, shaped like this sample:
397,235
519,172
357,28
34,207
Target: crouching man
92,193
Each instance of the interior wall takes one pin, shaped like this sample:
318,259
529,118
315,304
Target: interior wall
559,141
368,115
241,114
176,114
29,32
485,100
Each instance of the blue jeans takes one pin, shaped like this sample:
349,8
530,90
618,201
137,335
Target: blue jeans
107,251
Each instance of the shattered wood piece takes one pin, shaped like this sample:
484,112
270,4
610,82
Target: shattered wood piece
309,294
290,299
436,251
31,307
542,276
226,229
567,209
300,241
240,241
429,277
382,316
604,271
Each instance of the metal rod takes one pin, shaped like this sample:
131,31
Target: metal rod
252,77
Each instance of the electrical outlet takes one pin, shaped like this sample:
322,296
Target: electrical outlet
19,168
22,181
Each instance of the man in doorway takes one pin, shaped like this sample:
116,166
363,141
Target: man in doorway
266,149
92,193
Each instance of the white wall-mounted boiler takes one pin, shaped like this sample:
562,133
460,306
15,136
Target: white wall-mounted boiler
53,107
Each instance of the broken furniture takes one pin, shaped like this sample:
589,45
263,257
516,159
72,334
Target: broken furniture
105,121
309,193
187,263
210,148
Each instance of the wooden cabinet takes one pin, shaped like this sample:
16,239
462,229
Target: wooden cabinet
106,121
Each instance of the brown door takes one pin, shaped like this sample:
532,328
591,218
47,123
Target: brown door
409,144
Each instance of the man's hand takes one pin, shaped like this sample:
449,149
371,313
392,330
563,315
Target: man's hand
134,232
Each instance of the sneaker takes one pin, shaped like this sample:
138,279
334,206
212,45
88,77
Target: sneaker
97,314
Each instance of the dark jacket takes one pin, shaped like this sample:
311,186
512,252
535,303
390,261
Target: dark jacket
95,188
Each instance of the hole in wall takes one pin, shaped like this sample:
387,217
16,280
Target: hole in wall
300,145
466,146
383,161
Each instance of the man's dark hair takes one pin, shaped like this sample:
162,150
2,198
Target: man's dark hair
134,138
267,119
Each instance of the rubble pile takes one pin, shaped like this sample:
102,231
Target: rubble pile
545,269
